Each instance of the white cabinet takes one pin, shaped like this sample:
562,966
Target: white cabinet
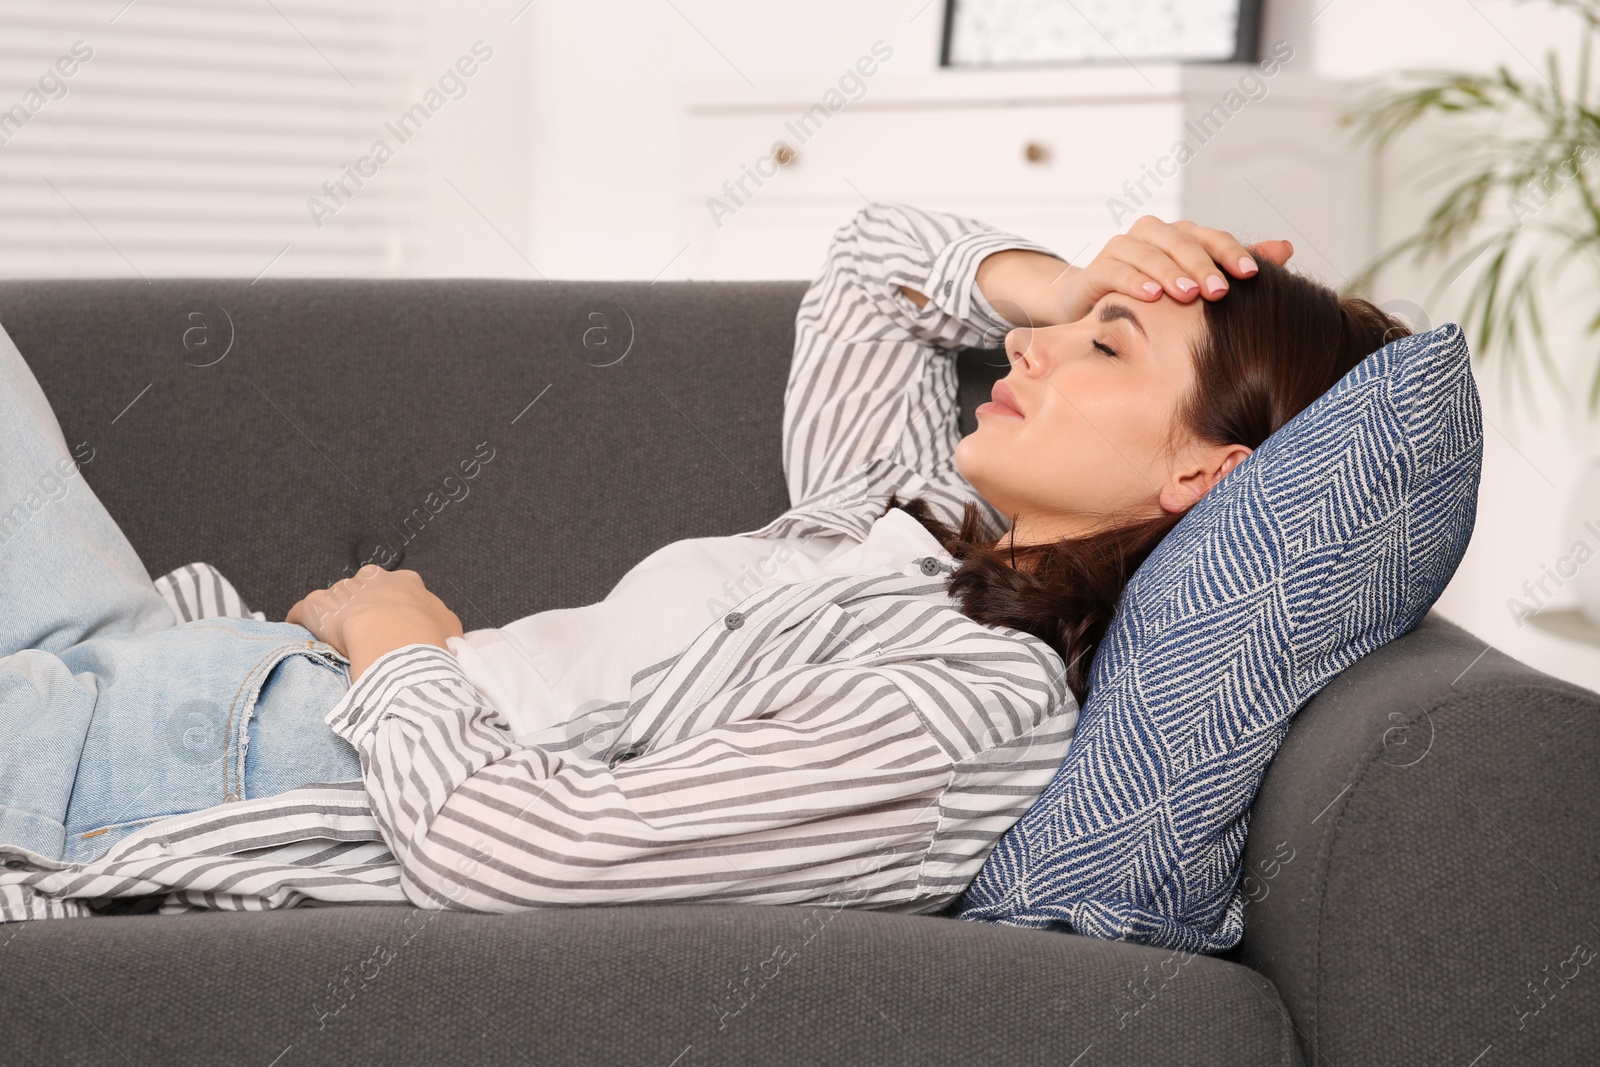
1066,156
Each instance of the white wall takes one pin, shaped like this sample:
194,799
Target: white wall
604,117
475,169
602,134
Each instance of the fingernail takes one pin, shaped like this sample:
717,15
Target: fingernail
1215,284
1153,288
1185,284
1247,265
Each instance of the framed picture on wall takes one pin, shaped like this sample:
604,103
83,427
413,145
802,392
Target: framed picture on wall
1025,33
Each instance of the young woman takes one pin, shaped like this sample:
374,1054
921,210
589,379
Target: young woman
893,677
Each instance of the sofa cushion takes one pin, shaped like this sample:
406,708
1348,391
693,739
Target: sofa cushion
689,984
1334,537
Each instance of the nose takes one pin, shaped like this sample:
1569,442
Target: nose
1021,348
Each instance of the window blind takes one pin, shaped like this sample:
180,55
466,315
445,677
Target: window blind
186,137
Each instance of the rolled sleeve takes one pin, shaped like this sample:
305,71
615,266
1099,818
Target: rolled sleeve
418,670
951,284
873,374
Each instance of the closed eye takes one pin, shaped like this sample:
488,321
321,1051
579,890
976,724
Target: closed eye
1106,349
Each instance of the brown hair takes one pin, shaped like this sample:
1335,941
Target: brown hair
1274,344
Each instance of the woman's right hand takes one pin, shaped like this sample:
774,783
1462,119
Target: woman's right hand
1181,259
374,612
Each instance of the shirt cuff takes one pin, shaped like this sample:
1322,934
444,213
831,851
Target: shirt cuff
952,285
358,713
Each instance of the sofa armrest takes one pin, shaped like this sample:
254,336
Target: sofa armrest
1424,856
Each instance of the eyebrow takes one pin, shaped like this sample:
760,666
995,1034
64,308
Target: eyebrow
1112,312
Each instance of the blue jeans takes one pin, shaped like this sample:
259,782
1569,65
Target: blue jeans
113,714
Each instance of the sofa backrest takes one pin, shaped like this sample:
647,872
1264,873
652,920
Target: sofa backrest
288,430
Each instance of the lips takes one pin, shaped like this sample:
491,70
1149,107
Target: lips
1002,395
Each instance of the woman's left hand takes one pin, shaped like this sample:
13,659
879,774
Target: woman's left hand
1155,258
373,612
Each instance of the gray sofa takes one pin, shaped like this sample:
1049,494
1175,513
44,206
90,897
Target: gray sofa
1423,862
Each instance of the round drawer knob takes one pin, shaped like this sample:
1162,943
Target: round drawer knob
783,154
1034,152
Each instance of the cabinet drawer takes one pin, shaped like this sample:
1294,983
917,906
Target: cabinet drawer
931,152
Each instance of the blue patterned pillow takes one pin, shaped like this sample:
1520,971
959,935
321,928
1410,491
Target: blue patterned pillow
1334,537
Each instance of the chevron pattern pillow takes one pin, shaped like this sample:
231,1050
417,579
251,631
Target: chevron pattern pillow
1334,537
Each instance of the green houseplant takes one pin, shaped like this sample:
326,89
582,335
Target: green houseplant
1521,213
1521,209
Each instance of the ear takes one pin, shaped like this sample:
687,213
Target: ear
1198,472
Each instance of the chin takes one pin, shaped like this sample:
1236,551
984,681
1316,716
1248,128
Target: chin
978,452
975,477
963,456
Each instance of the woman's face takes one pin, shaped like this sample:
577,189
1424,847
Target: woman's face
1098,438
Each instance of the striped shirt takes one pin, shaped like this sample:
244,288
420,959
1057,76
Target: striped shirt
853,739
199,591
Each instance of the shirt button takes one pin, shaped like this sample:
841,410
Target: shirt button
948,286
733,620
627,753
930,566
